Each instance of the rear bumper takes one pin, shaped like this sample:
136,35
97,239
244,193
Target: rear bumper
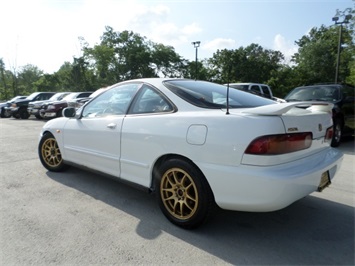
270,188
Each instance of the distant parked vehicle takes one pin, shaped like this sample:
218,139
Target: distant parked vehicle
18,108
4,113
34,107
54,109
78,102
342,96
255,88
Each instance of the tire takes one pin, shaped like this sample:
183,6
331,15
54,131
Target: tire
5,114
50,154
2,113
23,114
38,116
337,133
184,195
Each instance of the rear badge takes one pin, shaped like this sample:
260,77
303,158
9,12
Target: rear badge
292,129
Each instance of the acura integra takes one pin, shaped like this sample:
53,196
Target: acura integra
197,145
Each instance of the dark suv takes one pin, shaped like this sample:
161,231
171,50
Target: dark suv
342,96
18,108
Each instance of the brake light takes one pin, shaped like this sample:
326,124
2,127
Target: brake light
329,135
280,144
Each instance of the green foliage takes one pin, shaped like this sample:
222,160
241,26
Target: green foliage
250,64
126,55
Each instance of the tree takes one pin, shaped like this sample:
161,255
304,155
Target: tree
317,55
27,76
250,64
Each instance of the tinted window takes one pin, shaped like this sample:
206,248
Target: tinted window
266,91
255,88
150,101
214,96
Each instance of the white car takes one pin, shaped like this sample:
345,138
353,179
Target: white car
185,141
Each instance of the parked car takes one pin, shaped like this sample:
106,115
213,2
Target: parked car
342,96
255,88
78,102
54,109
184,141
34,107
4,113
18,108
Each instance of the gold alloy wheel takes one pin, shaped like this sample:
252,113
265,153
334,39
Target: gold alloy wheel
51,153
179,193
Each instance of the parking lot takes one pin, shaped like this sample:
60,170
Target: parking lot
81,218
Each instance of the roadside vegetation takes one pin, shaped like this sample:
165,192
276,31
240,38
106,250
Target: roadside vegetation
127,55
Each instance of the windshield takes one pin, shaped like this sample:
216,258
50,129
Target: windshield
32,96
58,96
70,96
314,93
213,96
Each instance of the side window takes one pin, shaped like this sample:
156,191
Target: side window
114,101
255,89
150,101
266,91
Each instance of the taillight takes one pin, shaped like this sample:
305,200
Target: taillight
329,135
280,144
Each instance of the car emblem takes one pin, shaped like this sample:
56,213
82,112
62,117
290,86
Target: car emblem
320,127
292,129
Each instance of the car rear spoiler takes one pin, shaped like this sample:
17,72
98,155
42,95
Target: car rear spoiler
283,108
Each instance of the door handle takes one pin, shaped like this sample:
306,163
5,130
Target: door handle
112,125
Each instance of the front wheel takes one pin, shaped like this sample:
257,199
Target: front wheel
185,197
50,154
23,114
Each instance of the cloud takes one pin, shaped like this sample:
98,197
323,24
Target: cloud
49,36
219,43
285,47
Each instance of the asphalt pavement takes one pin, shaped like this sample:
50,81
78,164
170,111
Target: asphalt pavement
81,218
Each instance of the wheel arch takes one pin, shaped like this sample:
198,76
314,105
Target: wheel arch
165,158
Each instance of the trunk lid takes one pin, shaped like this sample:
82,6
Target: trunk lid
312,117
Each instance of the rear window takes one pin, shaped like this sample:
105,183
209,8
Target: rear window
213,96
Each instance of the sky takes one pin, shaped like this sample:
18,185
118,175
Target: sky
45,33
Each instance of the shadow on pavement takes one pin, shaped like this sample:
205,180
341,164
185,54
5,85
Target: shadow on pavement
305,233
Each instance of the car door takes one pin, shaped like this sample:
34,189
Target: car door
94,139
144,136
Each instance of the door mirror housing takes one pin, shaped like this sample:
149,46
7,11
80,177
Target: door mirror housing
69,112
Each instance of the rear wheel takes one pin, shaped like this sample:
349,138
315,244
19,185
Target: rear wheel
50,154
185,197
337,133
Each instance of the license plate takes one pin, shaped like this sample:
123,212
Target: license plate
324,181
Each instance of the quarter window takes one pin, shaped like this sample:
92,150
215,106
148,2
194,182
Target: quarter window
150,101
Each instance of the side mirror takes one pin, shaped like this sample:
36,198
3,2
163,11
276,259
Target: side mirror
69,112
